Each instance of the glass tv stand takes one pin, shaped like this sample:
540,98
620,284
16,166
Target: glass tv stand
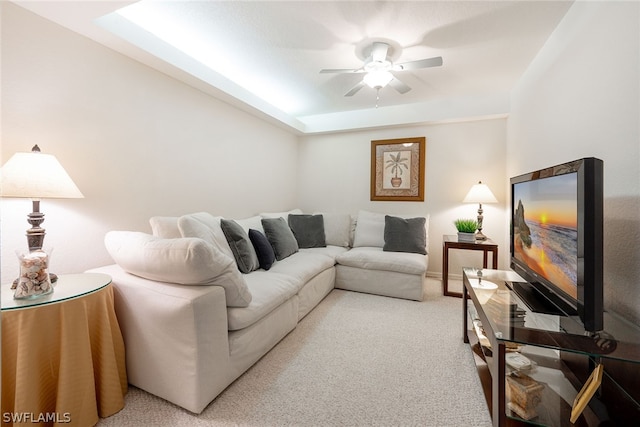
545,369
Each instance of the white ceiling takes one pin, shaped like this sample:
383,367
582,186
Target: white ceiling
265,56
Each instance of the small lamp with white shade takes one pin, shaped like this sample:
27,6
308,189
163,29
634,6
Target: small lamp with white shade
480,193
36,176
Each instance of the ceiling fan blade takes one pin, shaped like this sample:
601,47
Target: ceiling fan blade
399,86
355,89
379,51
340,70
422,63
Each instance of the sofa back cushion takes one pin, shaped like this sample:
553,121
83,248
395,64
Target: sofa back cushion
254,222
338,229
369,230
207,227
184,261
284,215
165,227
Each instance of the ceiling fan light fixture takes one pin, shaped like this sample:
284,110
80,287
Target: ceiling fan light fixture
377,79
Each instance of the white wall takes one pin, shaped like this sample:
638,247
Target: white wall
335,176
579,98
136,142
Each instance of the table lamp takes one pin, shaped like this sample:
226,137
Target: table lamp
480,194
36,176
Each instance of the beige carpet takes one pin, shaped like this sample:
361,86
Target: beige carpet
355,360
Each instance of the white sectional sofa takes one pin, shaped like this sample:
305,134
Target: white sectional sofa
193,322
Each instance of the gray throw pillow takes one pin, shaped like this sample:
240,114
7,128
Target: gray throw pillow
405,235
241,246
280,236
308,230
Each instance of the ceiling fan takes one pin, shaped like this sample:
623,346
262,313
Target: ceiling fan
378,66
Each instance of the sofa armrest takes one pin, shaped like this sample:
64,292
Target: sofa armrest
176,337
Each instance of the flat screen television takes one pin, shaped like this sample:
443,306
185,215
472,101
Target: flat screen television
556,240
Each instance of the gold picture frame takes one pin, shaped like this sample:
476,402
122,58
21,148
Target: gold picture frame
397,169
588,390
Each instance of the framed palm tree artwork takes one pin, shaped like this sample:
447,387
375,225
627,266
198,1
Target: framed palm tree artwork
397,169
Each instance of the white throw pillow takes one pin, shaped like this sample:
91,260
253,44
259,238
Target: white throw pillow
206,227
337,229
165,227
185,261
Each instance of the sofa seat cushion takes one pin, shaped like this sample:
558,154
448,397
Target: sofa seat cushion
329,250
268,291
303,266
374,258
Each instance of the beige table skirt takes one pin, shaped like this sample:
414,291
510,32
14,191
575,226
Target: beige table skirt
64,363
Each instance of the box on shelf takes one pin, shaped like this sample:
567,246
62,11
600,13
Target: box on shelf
524,394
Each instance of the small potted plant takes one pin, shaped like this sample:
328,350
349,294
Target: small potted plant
466,229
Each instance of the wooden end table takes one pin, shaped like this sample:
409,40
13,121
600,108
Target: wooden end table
451,242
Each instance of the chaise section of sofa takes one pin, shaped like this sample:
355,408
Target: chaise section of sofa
389,256
393,274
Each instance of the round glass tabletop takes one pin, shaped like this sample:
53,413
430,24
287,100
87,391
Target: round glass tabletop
67,287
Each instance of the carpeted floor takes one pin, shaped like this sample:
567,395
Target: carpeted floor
355,360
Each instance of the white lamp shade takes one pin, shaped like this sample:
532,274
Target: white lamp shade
35,175
377,78
480,193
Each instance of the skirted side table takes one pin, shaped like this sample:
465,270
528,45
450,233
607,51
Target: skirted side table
63,357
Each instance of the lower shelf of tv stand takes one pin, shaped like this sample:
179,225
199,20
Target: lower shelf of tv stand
565,356
554,409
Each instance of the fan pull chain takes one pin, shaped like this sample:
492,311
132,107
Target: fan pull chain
377,96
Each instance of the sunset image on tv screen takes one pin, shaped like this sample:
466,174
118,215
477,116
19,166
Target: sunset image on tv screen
545,228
